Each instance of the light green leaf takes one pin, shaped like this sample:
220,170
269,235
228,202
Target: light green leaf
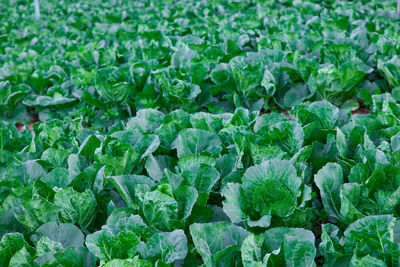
127,184
10,244
232,202
329,179
195,141
66,234
75,206
107,246
219,237
168,246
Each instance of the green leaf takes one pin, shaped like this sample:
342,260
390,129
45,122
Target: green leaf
280,245
217,239
232,202
195,141
88,146
22,258
10,244
75,256
112,85
76,207
186,197
128,263
206,121
168,246
268,189
278,130
350,195
246,75
268,82
35,212
66,234
48,101
123,159
373,230
106,246
298,252
262,153
330,246
252,251
58,177
342,143
146,121
55,157
328,180
271,186
367,261
155,166
327,113
126,186
160,209
45,248
390,70
201,176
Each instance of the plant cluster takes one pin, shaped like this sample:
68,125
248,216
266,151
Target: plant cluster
200,133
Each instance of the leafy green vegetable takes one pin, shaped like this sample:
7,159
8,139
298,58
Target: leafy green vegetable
200,133
218,243
268,191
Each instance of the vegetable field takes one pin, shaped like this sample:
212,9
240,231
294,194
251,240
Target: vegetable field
200,133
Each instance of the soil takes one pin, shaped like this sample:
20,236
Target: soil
33,118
